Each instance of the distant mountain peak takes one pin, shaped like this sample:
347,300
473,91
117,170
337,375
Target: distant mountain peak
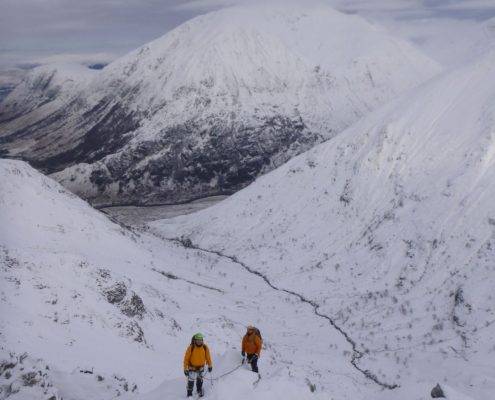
213,104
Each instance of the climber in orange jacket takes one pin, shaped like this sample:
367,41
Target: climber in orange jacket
251,345
197,354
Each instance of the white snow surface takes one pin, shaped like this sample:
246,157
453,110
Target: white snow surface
65,332
390,229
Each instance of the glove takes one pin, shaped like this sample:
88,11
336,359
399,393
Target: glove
186,372
243,353
209,369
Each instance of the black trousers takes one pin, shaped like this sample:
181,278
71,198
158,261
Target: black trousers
253,360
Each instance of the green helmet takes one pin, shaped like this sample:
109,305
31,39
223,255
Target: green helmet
198,336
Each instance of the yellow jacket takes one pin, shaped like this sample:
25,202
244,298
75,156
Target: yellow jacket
196,357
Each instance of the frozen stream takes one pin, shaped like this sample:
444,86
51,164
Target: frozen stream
137,215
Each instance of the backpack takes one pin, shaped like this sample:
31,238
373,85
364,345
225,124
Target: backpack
258,333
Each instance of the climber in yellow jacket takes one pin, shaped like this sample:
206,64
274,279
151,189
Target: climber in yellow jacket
197,355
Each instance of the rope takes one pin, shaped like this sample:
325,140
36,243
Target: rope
221,376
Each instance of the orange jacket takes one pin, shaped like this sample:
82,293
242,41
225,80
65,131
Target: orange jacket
251,344
196,358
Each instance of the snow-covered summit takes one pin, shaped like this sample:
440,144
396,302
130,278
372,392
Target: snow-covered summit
390,229
243,52
217,101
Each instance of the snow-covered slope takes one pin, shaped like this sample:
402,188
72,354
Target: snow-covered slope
74,290
46,84
90,309
214,103
390,229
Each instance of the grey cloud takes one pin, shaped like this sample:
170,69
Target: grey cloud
34,29
417,9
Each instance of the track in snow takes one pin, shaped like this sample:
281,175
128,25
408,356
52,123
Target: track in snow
356,355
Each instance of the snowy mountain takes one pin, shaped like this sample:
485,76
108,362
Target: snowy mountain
389,231
209,106
43,85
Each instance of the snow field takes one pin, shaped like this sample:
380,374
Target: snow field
389,228
86,293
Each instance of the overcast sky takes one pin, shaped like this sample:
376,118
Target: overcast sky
99,30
